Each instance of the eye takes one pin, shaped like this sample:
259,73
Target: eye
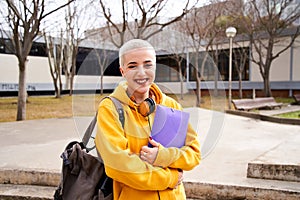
148,65
131,66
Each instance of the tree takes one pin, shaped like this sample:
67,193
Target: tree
239,64
24,18
240,53
55,60
203,34
140,19
79,17
176,46
269,20
102,60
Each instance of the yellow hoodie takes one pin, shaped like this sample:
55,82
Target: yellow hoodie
120,148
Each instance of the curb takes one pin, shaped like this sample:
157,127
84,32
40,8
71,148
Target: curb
218,191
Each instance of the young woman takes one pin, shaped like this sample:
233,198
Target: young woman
139,171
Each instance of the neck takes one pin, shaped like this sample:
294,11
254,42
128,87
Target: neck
137,97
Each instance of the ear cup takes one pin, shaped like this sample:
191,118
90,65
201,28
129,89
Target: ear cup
147,107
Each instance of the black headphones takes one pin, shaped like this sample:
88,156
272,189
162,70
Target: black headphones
147,107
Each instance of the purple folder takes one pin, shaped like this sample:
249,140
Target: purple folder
170,126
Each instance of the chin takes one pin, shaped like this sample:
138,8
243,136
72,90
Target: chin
142,89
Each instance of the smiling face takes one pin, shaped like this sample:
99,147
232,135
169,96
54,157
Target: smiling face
138,68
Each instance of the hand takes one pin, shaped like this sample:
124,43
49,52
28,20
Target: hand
180,178
148,154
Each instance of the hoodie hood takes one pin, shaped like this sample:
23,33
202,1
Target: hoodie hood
121,95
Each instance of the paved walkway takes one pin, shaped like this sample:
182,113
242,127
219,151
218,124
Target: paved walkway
229,143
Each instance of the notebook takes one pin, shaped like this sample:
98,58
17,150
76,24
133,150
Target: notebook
170,126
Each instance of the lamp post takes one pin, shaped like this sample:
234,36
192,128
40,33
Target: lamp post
230,33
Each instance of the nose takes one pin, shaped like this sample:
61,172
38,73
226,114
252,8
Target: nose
141,70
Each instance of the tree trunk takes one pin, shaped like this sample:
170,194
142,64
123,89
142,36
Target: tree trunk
198,90
73,70
22,94
216,79
267,88
57,90
240,85
101,84
198,81
181,80
181,87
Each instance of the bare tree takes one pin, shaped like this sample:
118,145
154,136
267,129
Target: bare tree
24,19
140,19
268,21
79,17
71,47
55,60
234,18
102,59
243,55
176,47
203,34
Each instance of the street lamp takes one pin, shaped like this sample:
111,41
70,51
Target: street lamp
230,33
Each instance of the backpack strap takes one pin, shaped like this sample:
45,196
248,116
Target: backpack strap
90,128
119,108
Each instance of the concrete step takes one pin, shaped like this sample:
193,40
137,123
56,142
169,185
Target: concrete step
29,177
194,191
204,191
28,192
280,163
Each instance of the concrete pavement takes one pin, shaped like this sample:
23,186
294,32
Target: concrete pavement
30,150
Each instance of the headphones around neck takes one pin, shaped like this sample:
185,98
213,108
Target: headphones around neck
147,107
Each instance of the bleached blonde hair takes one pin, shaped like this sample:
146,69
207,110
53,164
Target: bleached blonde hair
132,45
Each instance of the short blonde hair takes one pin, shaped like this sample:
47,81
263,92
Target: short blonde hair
132,45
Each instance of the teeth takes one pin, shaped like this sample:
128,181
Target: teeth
141,81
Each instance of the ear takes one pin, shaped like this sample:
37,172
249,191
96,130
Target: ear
122,71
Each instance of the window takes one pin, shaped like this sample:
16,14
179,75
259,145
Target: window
38,49
89,61
6,46
240,60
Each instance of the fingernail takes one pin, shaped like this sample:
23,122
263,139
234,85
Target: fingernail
150,137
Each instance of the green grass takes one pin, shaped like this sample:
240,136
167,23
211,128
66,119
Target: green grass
290,115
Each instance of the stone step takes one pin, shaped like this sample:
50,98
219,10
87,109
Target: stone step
28,192
40,185
203,191
194,191
280,163
29,177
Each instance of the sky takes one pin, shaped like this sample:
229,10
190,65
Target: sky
91,18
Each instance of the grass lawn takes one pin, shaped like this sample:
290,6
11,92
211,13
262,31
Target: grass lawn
41,107
291,115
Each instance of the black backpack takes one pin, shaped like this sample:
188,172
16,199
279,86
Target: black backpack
83,175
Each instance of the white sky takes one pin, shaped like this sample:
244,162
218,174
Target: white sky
91,17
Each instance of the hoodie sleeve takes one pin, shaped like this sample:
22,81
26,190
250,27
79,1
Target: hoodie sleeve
120,163
185,158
